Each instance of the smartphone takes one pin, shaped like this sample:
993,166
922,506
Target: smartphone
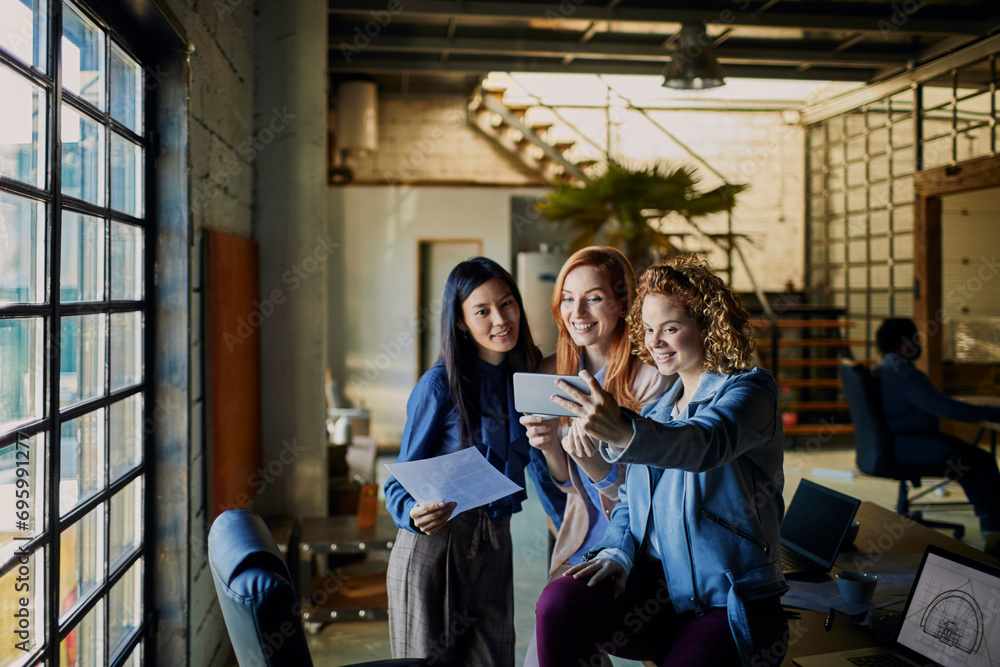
532,392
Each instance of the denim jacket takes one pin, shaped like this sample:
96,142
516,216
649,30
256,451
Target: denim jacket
711,480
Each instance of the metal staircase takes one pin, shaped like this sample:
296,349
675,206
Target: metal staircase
802,348
801,345
538,139
530,142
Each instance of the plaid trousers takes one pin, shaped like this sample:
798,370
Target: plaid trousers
451,594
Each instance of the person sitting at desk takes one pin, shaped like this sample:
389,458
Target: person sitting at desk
913,405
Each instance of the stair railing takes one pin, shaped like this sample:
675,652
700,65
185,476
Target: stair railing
499,108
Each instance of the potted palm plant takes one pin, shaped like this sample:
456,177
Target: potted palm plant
622,207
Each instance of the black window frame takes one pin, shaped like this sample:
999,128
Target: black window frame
122,32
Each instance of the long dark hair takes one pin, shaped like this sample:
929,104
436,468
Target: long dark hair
459,352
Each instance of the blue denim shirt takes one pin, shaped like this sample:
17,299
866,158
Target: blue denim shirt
432,429
913,405
710,482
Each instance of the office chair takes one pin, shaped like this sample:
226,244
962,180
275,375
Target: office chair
874,453
257,597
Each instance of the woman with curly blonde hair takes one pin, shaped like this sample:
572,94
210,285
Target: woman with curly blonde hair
688,571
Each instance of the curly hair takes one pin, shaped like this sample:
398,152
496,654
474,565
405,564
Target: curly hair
622,367
687,281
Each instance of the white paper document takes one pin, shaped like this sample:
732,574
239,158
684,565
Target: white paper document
464,477
891,589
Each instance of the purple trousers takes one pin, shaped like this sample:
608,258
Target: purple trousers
575,623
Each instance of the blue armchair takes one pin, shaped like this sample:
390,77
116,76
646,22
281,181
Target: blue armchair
258,600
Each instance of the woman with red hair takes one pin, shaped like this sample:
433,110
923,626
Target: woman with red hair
590,303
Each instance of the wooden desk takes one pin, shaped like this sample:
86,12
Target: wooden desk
885,539
992,427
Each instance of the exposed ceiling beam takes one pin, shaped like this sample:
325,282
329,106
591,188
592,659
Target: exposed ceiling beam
943,46
848,43
927,72
372,66
587,35
868,17
591,51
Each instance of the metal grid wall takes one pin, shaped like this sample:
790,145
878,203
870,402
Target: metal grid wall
860,195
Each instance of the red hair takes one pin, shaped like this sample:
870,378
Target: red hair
622,368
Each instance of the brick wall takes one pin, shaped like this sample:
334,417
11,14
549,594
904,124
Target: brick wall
428,141
220,123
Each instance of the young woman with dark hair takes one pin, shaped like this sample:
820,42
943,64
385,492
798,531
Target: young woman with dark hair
450,579
688,571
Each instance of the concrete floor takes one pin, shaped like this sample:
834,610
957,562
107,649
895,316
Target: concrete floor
345,643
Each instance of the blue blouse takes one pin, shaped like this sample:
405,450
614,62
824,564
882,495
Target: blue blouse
597,521
433,429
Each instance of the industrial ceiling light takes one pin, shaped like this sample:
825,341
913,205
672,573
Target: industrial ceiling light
693,65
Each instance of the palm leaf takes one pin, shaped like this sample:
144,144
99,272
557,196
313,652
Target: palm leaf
618,206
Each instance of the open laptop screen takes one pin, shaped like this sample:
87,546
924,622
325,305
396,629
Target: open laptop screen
953,614
817,520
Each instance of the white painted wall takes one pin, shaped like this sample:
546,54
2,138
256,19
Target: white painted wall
427,140
373,320
374,323
970,239
970,284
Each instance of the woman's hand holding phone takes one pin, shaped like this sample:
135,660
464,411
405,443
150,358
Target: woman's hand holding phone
598,413
542,432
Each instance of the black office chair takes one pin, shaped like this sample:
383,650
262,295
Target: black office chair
874,453
257,597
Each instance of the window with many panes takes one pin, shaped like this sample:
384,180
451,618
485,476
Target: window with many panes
73,338
860,172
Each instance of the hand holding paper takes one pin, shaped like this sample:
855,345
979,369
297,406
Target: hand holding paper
430,517
464,477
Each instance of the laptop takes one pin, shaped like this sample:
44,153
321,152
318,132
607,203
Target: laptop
951,619
813,530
